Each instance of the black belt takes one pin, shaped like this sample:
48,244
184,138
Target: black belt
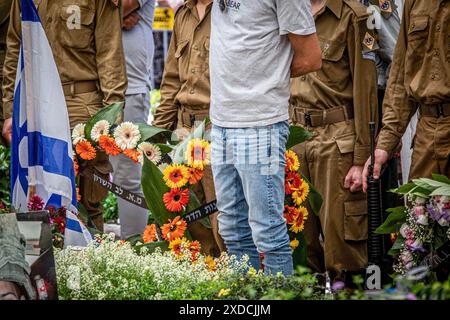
435,110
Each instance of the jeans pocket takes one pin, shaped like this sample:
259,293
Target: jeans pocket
355,220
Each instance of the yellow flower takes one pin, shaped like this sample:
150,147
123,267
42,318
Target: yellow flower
224,292
252,272
210,263
176,176
198,153
294,244
299,221
301,193
177,245
292,162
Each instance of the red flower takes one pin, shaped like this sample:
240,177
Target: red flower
292,181
35,203
176,199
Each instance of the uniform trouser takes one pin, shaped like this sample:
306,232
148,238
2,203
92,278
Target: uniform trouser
127,174
431,148
342,221
81,108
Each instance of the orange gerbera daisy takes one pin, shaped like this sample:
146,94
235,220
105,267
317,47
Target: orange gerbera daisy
149,234
299,222
292,181
292,162
174,229
85,150
76,167
108,144
195,175
176,199
176,176
194,248
133,154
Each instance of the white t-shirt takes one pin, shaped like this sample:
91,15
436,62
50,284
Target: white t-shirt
250,59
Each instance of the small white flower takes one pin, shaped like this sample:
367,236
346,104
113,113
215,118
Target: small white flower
99,129
151,151
78,133
127,135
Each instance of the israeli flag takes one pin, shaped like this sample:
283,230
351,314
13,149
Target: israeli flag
41,152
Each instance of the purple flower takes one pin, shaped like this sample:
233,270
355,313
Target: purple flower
411,296
338,285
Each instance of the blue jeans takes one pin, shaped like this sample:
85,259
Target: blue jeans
248,168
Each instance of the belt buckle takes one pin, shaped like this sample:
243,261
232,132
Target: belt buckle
440,110
308,121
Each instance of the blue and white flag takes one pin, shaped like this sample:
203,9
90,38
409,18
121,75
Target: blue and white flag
41,152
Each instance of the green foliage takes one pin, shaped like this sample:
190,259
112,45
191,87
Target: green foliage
5,158
297,135
397,216
110,209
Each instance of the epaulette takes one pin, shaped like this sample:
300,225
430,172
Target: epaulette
359,9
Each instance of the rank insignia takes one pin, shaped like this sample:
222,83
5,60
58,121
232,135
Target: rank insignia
369,41
385,5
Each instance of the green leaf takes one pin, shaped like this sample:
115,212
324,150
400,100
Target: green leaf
110,113
152,246
434,183
135,239
297,135
404,189
442,191
154,189
397,246
441,178
165,148
299,256
314,198
393,222
147,132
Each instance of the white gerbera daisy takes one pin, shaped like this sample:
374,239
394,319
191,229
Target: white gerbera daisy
99,129
78,133
127,135
151,151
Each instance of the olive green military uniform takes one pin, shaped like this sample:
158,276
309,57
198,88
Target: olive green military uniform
90,61
13,266
5,8
185,88
420,80
335,104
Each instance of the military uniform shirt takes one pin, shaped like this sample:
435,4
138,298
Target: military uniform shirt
186,72
421,68
348,74
82,52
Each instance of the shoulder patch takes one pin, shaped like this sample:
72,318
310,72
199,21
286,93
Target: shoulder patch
369,37
359,9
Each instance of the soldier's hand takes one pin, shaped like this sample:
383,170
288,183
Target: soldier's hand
131,20
381,157
353,180
7,130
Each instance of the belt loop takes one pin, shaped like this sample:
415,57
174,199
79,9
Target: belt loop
345,108
72,89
